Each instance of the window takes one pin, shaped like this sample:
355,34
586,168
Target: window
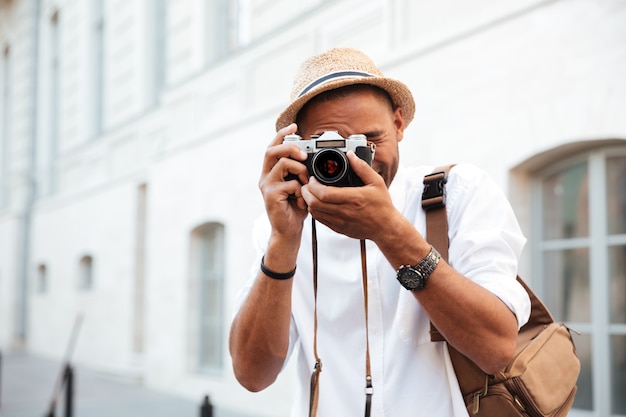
208,272
42,279
221,27
86,273
140,269
54,104
580,253
156,50
97,71
5,125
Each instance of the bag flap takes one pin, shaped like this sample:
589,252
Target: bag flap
544,374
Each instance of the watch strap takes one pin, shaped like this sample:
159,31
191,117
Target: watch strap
427,265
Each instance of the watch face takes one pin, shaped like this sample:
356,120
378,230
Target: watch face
414,278
411,279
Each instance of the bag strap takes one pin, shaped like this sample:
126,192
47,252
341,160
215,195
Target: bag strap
434,204
470,377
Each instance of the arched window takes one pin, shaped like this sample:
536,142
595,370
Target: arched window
85,278
207,267
6,109
42,279
579,254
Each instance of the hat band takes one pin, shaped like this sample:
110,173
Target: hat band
332,76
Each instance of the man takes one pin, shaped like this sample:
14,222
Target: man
474,300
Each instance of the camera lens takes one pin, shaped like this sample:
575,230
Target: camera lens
329,166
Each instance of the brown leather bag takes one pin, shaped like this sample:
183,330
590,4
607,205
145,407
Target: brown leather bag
540,381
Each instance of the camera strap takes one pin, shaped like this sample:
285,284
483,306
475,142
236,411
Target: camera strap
369,389
317,369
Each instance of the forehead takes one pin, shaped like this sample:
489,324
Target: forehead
361,112
347,105
347,91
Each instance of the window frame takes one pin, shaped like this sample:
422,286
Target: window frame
97,69
5,124
599,243
86,277
209,235
54,103
221,29
42,284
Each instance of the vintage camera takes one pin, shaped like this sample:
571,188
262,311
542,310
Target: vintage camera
327,160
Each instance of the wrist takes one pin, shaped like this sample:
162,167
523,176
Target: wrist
281,276
414,277
403,243
285,239
281,255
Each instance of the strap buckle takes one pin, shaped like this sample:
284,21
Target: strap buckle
369,389
434,194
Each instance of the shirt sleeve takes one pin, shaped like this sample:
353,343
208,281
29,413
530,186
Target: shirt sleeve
485,238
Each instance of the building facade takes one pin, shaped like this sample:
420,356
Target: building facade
132,132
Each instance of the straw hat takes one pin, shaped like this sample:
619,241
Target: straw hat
337,68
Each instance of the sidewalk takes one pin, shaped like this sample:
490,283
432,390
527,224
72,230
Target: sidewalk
27,381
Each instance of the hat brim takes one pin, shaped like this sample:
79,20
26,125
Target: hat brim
398,91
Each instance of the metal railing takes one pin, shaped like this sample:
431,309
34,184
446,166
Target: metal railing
206,408
66,385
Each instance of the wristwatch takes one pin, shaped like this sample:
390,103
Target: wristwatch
414,278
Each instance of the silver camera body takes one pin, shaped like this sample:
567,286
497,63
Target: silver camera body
327,160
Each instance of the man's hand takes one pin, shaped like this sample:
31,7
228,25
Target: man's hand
284,203
358,212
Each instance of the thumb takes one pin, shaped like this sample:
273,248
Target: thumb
362,169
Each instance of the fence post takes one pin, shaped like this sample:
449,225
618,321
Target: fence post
206,409
69,391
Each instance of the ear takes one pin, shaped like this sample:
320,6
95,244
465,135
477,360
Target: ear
398,121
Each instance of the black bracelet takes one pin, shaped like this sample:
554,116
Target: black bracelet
276,275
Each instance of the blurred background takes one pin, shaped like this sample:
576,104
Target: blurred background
132,133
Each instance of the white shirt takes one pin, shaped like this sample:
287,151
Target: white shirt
411,375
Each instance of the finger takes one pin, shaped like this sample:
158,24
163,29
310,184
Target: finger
293,192
362,169
296,195
274,154
318,195
285,170
280,135
288,169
